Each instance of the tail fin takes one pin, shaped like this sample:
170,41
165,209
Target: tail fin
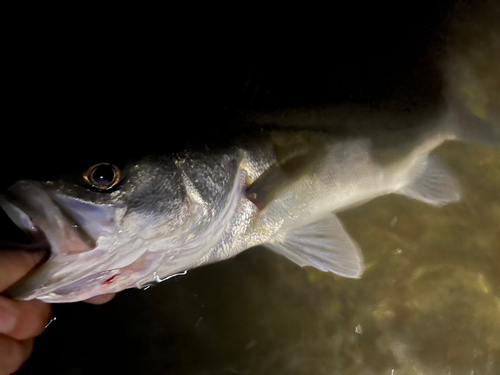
463,124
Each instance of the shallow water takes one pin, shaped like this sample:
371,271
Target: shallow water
428,302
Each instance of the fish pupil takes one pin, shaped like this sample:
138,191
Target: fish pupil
103,175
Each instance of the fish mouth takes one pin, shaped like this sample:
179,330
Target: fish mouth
45,219
21,231
64,226
91,252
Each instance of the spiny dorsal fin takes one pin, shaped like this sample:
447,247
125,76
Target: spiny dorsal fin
324,245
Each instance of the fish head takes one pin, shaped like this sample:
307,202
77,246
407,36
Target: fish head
108,228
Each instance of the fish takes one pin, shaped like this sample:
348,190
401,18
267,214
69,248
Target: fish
112,227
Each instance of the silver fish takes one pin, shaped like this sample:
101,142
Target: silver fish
159,216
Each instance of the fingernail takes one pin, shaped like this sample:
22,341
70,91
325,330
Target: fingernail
7,318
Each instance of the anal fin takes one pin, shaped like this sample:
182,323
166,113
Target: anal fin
433,183
324,245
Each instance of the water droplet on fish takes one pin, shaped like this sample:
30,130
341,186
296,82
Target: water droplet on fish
159,280
50,322
145,286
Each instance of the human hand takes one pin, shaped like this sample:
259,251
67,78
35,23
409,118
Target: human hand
20,321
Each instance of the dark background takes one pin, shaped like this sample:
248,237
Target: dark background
117,85
130,87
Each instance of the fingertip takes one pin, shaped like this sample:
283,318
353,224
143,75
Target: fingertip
31,318
13,354
27,346
16,264
40,313
99,300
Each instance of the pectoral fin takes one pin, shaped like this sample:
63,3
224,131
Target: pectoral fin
324,245
433,184
296,156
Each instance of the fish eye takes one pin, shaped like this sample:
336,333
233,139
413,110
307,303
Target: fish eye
103,176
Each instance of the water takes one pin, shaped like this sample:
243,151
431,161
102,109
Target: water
428,303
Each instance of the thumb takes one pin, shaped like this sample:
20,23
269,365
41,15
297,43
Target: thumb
15,264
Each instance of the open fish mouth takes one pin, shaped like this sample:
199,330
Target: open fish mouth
33,238
88,254
66,226
45,219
